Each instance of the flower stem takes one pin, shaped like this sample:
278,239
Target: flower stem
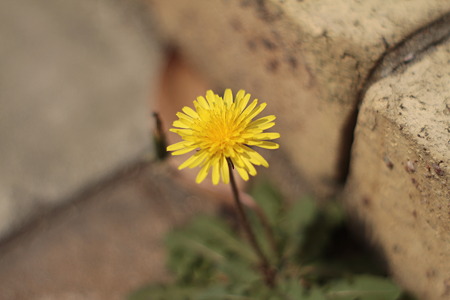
267,271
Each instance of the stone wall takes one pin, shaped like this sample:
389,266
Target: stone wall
309,60
399,181
334,71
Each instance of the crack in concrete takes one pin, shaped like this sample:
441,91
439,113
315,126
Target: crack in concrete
409,50
395,59
41,217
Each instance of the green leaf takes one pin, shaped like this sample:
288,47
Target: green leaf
206,251
363,287
316,293
222,292
291,289
293,225
269,199
300,215
211,261
215,233
162,292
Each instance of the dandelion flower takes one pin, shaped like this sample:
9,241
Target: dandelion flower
222,129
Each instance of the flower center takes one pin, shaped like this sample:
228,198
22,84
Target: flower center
222,135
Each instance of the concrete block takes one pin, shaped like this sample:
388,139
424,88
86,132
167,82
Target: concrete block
75,85
399,184
307,59
105,245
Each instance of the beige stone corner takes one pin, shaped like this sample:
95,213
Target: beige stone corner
307,59
399,183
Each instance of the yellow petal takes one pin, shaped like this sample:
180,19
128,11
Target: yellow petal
256,158
249,167
267,136
180,124
178,146
242,172
266,126
182,132
243,103
237,161
216,173
224,170
228,152
190,112
194,160
259,122
184,116
202,102
184,150
268,145
238,148
211,98
244,114
256,111
203,173
239,95
228,97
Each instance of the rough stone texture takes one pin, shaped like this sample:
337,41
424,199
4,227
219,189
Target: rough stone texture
399,183
103,245
307,59
75,83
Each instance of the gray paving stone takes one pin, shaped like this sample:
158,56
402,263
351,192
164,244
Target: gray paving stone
76,81
104,244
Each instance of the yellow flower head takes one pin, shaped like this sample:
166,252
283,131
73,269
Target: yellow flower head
220,128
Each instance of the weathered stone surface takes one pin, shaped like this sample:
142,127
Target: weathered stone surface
103,245
399,183
308,59
76,78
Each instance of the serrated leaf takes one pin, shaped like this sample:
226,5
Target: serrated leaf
211,261
206,250
215,233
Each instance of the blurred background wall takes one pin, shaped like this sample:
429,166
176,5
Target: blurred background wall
76,82
360,90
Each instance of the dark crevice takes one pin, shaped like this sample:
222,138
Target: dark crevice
395,59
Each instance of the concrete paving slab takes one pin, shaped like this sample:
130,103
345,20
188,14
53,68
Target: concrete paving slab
102,245
76,79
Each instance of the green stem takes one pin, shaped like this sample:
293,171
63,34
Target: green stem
268,272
